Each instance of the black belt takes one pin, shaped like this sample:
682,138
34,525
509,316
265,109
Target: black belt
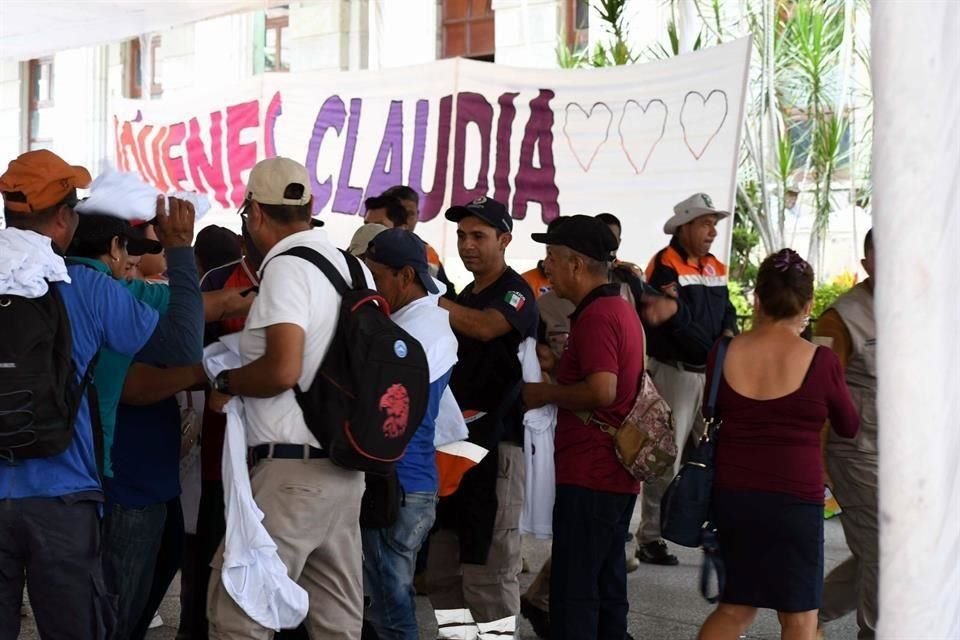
285,452
683,366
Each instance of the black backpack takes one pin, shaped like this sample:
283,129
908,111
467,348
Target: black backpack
371,390
39,389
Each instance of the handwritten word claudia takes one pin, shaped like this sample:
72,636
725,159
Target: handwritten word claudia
210,157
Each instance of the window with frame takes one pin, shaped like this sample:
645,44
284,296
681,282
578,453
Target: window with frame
577,25
276,54
133,70
156,81
40,103
467,28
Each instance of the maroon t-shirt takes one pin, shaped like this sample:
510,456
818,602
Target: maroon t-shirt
774,445
605,336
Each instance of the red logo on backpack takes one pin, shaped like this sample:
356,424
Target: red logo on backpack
396,403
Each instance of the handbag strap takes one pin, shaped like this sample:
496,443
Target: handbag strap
710,410
712,563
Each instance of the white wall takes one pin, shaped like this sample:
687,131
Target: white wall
528,32
11,102
403,33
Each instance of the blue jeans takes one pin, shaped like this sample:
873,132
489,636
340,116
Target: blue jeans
588,583
53,544
389,562
131,541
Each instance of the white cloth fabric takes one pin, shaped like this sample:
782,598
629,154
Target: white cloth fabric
124,195
27,263
222,354
430,325
539,425
253,573
451,427
292,291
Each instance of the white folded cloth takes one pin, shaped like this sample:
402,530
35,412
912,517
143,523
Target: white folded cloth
124,195
252,573
28,263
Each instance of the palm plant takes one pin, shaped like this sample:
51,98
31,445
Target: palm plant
796,127
801,106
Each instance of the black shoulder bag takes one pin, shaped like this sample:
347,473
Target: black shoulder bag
685,507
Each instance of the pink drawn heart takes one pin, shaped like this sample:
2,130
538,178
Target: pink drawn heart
704,119
649,125
584,134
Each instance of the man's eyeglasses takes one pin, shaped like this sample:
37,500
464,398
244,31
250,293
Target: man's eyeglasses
242,211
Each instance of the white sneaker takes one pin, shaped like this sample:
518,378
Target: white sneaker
156,622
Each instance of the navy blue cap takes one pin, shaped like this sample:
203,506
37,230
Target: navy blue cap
399,248
487,209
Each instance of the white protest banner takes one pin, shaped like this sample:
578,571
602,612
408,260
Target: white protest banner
632,141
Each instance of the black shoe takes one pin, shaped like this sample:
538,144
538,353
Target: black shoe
656,553
539,619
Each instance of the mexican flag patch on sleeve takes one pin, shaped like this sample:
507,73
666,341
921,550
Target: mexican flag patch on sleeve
515,299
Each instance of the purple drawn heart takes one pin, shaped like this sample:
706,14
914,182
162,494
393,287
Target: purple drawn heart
702,104
659,106
587,115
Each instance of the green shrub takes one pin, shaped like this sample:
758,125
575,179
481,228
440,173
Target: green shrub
824,296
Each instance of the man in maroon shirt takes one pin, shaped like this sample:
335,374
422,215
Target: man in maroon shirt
598,378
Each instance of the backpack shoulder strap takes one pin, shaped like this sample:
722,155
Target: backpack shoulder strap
331,272
356,271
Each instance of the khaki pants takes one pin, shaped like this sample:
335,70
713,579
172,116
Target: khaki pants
311,509
472,600
683,391
852,586
538,593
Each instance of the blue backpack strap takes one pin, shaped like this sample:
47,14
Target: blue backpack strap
314,257
710,410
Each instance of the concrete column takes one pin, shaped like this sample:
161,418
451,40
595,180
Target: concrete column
916,178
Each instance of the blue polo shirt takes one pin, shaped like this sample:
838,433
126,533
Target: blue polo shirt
111,370
417,469
102,313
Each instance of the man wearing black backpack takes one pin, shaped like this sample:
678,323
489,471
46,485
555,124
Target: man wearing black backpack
49,482
474,561
311,507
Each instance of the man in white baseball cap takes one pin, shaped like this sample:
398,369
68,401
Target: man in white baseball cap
678,348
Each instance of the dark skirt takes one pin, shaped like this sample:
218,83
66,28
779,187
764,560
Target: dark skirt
772,548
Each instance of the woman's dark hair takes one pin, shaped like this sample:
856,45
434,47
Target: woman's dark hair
784,284
95,247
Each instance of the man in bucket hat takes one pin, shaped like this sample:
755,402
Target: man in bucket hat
678,348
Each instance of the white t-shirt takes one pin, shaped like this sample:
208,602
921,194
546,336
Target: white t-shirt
292,291
430,325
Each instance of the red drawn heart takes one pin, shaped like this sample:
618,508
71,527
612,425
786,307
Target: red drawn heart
690,102
586,139
651,110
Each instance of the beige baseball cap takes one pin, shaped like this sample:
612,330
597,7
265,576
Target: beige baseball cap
699,204
363,236
271,179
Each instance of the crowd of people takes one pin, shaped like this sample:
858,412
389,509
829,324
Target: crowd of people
115,473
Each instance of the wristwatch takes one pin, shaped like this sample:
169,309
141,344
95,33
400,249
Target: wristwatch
221,383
